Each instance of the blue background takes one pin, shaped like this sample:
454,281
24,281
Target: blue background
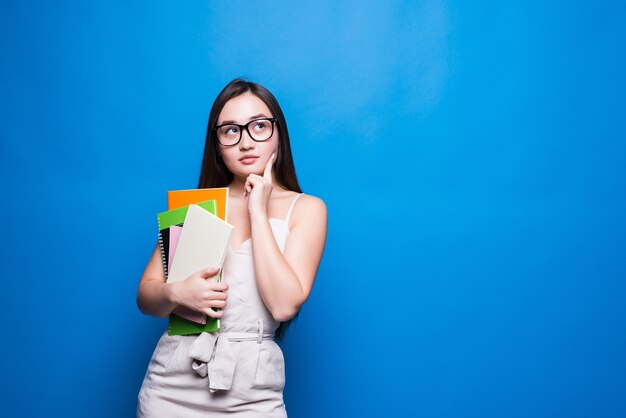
471,155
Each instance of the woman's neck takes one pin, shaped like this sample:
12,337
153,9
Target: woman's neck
236,187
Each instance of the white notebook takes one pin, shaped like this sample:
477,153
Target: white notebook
203,243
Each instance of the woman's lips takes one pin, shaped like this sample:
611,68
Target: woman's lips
248,160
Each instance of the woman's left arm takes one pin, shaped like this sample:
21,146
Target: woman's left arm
285,279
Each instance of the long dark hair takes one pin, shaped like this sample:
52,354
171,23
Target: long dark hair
214,173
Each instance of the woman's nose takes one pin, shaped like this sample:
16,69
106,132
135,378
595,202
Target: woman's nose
246,141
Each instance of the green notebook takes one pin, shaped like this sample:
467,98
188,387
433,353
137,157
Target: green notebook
176,217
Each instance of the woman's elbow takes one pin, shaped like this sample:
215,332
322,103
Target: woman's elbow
143,307
284,314
140,304
289,309
147,309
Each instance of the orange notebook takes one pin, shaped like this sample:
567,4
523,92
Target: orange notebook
180,198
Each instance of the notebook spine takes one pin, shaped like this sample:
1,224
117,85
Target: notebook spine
162,249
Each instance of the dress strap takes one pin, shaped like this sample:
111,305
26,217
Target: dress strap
293,203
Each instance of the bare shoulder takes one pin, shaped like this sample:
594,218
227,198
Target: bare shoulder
312,202
309,209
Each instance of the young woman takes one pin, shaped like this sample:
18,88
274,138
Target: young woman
268,273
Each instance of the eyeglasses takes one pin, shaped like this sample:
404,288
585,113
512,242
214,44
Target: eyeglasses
259,130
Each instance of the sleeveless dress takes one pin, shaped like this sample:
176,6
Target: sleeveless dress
237,371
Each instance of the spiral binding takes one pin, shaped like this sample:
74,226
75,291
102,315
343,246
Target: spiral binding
162,250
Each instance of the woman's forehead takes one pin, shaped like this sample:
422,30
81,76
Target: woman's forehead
242,108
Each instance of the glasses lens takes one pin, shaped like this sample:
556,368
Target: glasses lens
228,134
261,129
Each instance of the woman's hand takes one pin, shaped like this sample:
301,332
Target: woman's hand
259,189
201,292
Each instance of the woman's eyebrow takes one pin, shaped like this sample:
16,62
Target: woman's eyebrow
259,115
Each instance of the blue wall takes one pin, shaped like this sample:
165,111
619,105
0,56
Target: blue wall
471,155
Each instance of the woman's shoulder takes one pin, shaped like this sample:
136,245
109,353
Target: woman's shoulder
311,202
299,199
309,208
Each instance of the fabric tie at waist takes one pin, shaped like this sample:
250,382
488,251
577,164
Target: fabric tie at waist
213,356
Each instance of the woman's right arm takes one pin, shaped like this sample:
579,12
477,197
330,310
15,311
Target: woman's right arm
199,291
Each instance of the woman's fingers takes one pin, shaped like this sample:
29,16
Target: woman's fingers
202,292
217,303
217,295
213,314
218,286
267,174
249,185
208,272
251,181
262,185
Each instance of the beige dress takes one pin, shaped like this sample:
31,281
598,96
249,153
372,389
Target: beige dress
238,371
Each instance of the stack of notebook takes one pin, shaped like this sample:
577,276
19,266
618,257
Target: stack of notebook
193,235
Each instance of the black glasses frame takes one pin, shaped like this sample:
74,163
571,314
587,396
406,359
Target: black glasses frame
247,128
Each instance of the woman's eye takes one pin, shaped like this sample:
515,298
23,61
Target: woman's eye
260,125
232,130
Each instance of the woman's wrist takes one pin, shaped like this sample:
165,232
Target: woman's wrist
258,216
170,292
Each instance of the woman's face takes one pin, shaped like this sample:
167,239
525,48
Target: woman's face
248,156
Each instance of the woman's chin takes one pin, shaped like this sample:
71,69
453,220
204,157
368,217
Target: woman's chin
245,172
